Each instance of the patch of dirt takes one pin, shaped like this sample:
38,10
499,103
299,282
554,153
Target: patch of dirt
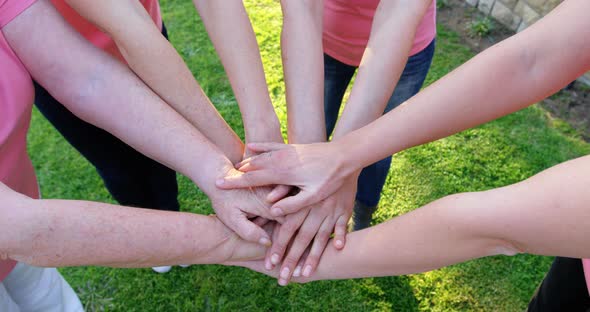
571,104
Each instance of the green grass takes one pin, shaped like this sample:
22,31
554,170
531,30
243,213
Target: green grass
499,153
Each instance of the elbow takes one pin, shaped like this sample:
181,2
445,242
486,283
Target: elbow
84,95
478,220
505,247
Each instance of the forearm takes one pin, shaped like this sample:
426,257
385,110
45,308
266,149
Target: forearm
158,64
55,233
107,94
232,35
385,57
303,65
505,78
546,214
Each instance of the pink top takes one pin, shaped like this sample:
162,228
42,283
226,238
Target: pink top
16,99
93,34
347,26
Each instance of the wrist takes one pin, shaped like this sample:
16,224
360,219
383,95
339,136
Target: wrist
263,130
345,157
216,169
220,242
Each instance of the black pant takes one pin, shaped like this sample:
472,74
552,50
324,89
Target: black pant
563,288
132,178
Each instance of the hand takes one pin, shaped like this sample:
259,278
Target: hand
314,223
317,169
270,134
235,207
238,250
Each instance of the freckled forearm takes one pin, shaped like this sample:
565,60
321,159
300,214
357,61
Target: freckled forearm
72,233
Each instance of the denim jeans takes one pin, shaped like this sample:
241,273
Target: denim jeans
337,76
132,178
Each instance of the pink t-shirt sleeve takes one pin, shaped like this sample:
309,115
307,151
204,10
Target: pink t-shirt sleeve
93,34
9,9
16,97
347,28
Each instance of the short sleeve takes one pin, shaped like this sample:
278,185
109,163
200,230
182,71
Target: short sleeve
9,9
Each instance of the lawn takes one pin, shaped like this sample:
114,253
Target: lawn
496,154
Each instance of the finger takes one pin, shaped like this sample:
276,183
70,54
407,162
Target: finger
306,233
279,192
248,179
317,249
267,258
261,222
243,162
265,147
247,230
299,267
254,163
292,204
286,233
340,231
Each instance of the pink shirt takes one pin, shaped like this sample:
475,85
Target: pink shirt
93,34
347,26
16,100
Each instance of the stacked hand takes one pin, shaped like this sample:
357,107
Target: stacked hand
306,220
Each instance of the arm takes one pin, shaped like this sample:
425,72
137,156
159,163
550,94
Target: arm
158,64
505,78
457,228
392,36
508,77
230,31
302,55
55,233
105,92
303,66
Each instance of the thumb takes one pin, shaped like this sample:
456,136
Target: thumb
248,230
246,180
292,204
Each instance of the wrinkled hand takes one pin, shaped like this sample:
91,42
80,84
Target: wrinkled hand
315,223
316,169
235,208
235,249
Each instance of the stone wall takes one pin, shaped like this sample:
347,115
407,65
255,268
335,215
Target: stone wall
518,14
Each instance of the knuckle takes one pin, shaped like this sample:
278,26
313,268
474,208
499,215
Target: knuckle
291,260
306,236
324,234
290,227
312,259
279,246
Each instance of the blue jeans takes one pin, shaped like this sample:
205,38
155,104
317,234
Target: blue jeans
337,76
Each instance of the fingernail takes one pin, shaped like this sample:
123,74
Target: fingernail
282,282
220,182
264,242
339,244
285,273
276,212
307,271
274,259
297,271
